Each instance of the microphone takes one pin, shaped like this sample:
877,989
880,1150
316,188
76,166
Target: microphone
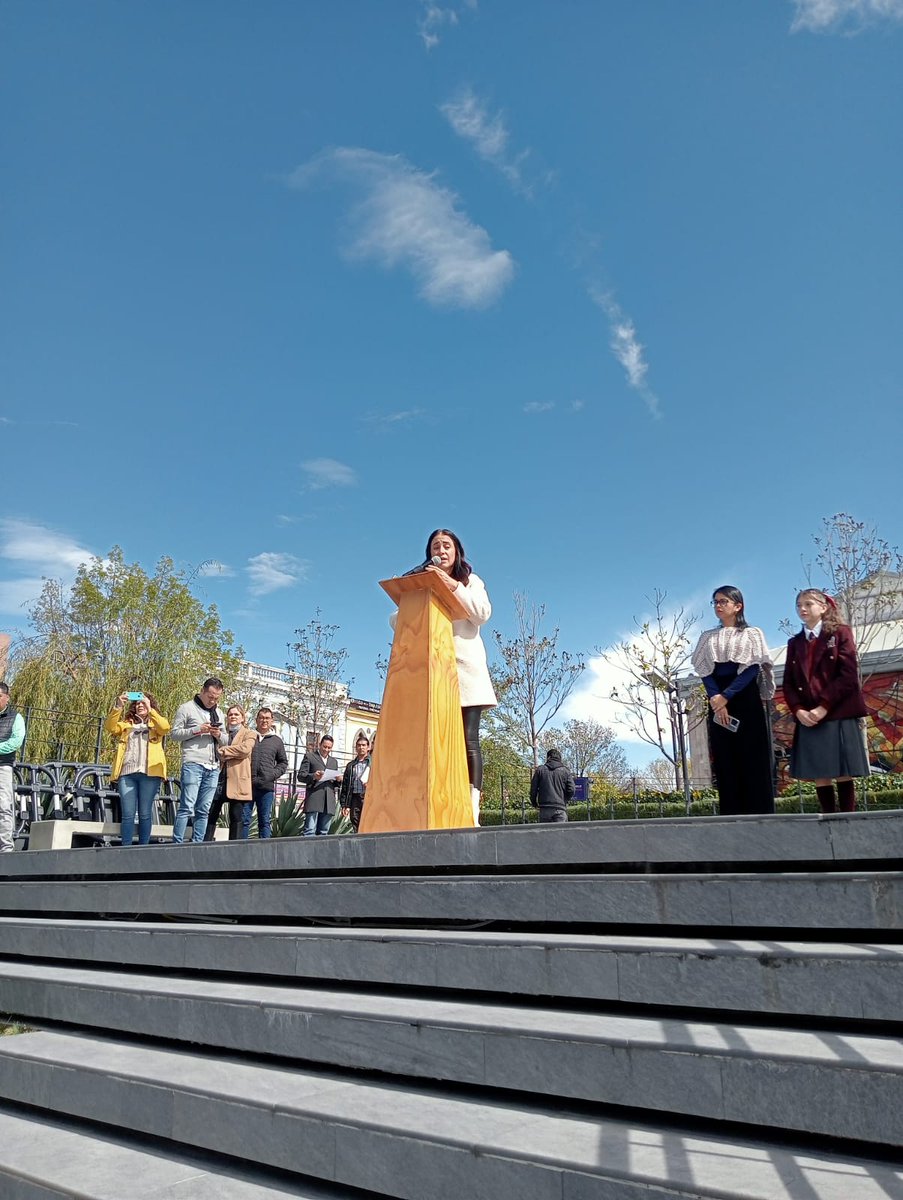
434,561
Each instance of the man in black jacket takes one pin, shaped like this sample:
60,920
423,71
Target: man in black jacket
268,762
552,788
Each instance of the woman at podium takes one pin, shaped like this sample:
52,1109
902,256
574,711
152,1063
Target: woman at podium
475,685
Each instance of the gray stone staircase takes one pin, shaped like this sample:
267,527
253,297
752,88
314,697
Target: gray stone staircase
613,1011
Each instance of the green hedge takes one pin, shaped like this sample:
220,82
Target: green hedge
624,810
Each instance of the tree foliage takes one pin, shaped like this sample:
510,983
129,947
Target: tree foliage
505,771
652,663
589,748
658,776
533,679
119,629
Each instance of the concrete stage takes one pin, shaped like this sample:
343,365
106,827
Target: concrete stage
636,1010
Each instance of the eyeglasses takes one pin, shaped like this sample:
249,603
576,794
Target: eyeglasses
722,603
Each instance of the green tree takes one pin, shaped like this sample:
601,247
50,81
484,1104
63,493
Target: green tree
589,748
117,629
505,771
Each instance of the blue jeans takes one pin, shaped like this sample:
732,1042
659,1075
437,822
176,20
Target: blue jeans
264,802
316,823
198,786
137,789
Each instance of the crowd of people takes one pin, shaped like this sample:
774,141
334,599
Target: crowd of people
224,762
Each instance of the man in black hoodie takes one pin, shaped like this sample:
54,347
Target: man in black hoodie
552,788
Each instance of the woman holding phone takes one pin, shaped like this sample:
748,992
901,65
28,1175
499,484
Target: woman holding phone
737,672
139,766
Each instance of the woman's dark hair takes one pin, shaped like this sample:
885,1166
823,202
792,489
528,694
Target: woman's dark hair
462,569
131,715
736,595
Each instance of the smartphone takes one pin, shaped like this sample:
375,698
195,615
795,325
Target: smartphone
134,695
732,724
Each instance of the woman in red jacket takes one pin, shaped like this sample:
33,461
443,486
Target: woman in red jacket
823,692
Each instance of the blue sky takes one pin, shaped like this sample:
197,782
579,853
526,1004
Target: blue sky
611,289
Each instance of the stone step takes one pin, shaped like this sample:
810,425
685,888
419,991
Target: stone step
49,1158
826,839
835,1083
863,900
415,1143
852,981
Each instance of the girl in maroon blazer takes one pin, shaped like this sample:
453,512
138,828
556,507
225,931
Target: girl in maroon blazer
823,692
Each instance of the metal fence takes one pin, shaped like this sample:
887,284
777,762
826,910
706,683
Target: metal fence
52,735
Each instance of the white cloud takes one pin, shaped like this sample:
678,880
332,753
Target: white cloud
591,699
825,16
327,472
407,219
539,406
55,553
577,405
42,553
470,119
269,572
626,347
434,17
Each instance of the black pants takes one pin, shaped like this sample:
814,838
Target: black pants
549,815
355,808
235,814
471,717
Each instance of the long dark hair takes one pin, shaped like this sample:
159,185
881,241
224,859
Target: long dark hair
462,569
734,593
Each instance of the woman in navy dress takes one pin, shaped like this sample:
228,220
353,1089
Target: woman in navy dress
737,673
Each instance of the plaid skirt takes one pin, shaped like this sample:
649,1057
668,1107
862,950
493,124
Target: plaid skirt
829,750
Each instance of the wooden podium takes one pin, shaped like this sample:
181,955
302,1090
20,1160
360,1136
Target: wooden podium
418,777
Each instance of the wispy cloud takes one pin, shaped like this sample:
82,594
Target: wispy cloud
627,348
42,553
831,16
435,17
28,542
287,519
487,132
269,572
327,472
539,406
11,421
577,405
404,416
407,219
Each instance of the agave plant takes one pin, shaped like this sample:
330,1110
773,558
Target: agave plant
288,818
